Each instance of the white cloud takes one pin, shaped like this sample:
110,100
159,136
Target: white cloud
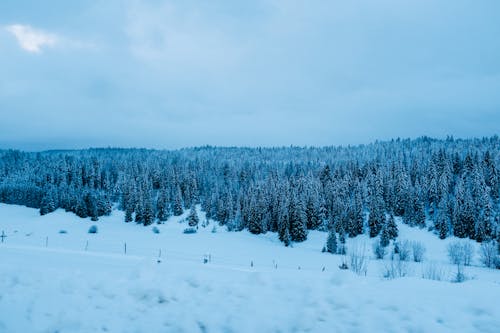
31,39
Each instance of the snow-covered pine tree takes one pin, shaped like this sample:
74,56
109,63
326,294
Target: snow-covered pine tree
391,228
331,241
298,220
193,217
177,205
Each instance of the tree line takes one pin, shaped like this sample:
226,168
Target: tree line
450,186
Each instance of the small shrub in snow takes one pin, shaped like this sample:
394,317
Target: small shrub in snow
459,277
156,230
396,268
342,249
404,250
433,271
418,250
343,264
468,253
358,259
189,231
460,253
489,253
93,229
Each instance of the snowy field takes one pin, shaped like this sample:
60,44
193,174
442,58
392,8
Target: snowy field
56,277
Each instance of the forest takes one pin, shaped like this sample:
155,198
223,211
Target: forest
450,186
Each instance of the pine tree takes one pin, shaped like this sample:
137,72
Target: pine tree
419,214
312,212
286,239
391,228
163,212
355,224
48,203
484,225
385,236
375,219
148,213
177,206
298,220
465,220
283,220
331,241
254,217
139,210
128,214
193,217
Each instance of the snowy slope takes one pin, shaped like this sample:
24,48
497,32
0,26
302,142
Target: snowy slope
50,282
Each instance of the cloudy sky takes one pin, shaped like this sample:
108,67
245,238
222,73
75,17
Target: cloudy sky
177,73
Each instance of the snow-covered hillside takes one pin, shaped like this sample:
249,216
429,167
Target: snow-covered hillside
56,277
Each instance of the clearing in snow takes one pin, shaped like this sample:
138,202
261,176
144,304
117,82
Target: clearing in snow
58,277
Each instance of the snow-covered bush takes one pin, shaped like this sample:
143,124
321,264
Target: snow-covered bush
93,229
489,255
189,231
156,230
418,250
358,259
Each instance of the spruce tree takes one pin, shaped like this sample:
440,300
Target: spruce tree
391,227
385,236
193,217
47,205
298,220
177,205
148,213
331,241
376,219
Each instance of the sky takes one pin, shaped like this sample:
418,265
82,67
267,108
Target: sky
181,73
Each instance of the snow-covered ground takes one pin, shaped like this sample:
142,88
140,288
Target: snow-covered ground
80,282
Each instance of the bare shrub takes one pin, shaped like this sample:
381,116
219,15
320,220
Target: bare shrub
460,253
396,268
403,250
433,271
418,250
358,259
343,264
489,253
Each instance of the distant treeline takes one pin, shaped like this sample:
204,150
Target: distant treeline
450,186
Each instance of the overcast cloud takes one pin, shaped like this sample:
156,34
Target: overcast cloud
168,74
